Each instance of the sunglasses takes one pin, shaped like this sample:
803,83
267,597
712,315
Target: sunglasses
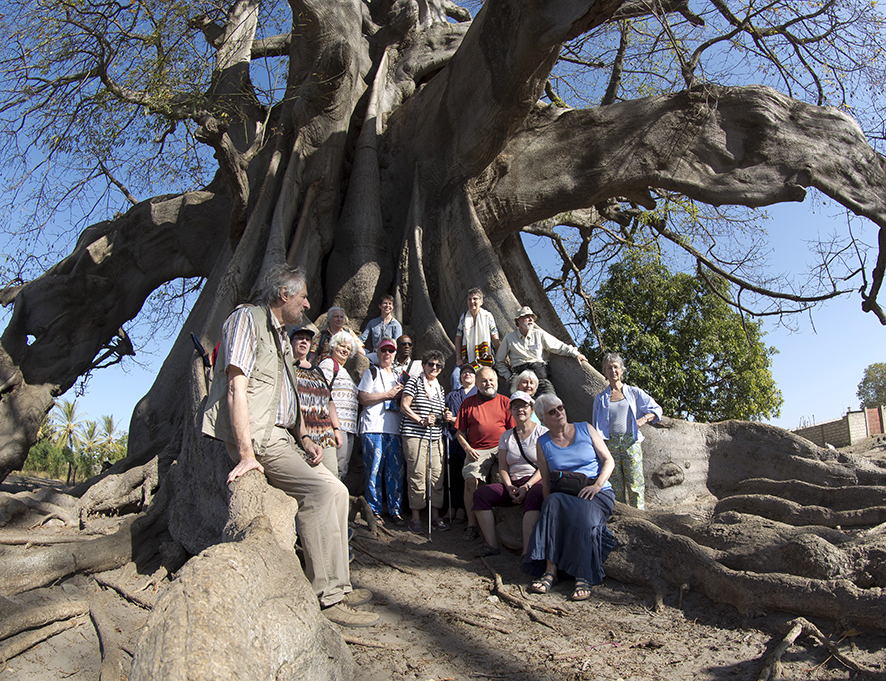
434,365
387,350
556,410
405,344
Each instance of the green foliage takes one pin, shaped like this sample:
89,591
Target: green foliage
70,446
683,344
872,389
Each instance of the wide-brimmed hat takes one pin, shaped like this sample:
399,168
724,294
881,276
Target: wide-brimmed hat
386,343
305,327
525,311
523,396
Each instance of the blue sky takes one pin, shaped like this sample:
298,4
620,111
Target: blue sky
818,367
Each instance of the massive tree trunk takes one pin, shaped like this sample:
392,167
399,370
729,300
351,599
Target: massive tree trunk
407,155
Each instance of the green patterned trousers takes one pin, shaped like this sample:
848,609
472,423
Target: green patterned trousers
627,479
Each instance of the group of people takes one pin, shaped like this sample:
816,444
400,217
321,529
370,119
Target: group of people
286,406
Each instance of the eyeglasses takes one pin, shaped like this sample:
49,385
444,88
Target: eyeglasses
522,406
387,350
434,365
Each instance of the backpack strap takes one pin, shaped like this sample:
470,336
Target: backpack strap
520,446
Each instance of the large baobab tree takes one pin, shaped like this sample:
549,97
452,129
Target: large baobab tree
403,147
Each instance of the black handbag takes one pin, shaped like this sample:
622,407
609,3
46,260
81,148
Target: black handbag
569,482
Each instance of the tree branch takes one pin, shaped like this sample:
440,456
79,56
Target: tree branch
749,146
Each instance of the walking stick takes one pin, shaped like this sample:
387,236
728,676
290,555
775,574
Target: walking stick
428,489
448,477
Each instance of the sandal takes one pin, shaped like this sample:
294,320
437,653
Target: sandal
544,585
582,590
398,520
379,520
485,550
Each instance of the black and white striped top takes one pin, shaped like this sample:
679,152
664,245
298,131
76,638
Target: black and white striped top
422,405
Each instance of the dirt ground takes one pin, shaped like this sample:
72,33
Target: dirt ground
441,620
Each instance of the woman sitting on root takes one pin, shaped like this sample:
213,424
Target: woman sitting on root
520,478
571,533
526,381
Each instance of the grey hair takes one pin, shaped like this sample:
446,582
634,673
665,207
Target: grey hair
281,277
612,358
527,373
338,338
544,404
336,309
473,291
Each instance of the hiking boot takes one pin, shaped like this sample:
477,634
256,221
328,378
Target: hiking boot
357,597
346,616
470,533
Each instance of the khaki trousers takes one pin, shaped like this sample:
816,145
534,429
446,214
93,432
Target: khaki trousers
415,452
322,512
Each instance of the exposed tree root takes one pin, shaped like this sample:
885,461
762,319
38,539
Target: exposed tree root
25,570
26,641
114,661
476,623
128,492
647,553
16,618
801,627
838,498
33,538
143,601
793,513
353,640
46,502
383,561
529,608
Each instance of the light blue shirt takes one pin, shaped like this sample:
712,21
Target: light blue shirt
640,404
377,329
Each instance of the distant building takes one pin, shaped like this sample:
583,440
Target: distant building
842,432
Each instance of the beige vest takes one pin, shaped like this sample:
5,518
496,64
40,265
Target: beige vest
263,387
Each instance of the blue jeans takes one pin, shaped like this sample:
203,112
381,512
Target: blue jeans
382,457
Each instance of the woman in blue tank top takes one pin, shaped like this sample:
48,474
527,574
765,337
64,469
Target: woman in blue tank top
571,533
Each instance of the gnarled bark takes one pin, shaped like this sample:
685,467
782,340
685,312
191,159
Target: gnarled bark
405,158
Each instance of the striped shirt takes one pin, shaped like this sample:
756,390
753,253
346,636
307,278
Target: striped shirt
239,343
423,405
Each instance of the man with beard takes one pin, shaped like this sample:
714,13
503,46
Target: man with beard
481,421
528,348
253,408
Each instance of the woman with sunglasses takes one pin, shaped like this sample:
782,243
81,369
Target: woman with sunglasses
571,533
424,411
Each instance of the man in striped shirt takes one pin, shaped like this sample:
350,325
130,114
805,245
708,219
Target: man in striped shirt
253,407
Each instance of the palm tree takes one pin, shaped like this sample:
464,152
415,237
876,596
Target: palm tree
67,423
89,450
108,439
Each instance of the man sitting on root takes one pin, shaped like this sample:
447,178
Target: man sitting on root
528,348
253,408
480,423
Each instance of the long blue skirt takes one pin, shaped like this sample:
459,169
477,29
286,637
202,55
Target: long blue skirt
572,533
